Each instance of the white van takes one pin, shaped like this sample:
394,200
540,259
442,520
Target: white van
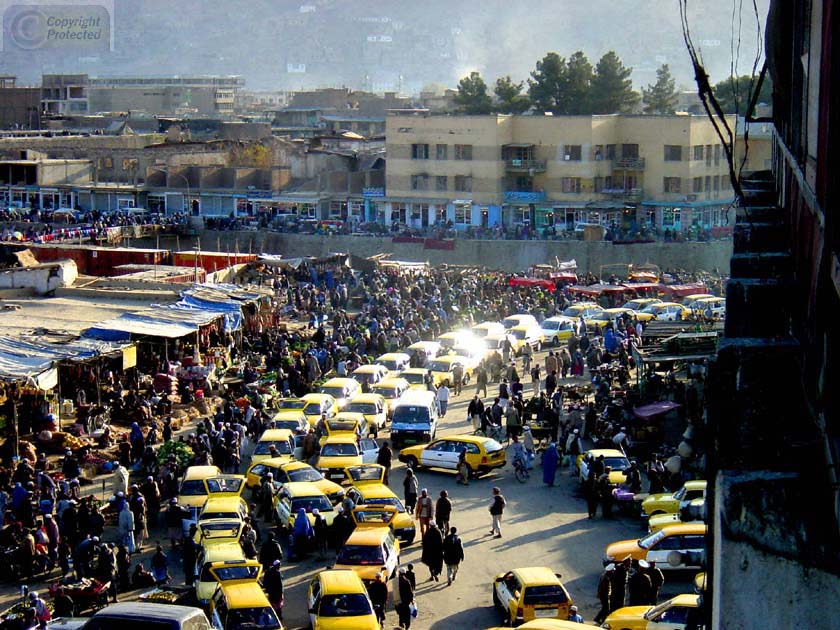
414,418
520,319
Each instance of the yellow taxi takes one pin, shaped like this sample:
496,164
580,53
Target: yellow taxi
337,453
372,406
675,614
546,624
485,329
395,362
612,457
338,600
369,489
449,340
530,593
281,439
219,531
370,374
689,300
207,556
317,404
415,377
694,514
390,389
443,367
585,309
341,389
284,471
372,545
230,508
670,503
301,495
293,420
426,350
640,303
608,315
664,311
526,335
240,604
347,424
290,404
483,454
683,542
193,491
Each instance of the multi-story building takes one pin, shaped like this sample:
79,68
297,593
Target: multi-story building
19,106
666,171
80,94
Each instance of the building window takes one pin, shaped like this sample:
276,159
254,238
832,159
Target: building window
598,152
671,184
716,183
708,155
698,152
440,214
419,182
462,213
697,185
130,164
610,150
463,183
463,151
441,183
673,153
106,162
598,184
570,184
441,152
419,151
572,153
717,154
708,183
630,151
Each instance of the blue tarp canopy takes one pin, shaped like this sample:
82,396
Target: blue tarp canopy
23,359
157,321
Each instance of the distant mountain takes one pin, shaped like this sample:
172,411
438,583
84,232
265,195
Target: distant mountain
392,44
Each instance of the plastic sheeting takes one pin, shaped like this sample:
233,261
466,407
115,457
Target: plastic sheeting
22,359
159,321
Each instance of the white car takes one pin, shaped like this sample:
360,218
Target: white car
485,329
558,329
512,321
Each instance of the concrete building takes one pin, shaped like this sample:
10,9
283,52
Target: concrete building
36,182
773,434
20,107
663,171
81,94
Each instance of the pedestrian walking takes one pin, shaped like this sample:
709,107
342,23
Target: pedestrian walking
590,491
550,459
453,554
410,489
618,580
274,587
384,459
443,510
657,580
432,555
378,593
481,381
497,508
639,584
321,533
605,489
474,412
405,592
535,379
189,552
424,511
604,593
270,551
463,475
443,398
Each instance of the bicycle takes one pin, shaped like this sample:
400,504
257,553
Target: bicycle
520,470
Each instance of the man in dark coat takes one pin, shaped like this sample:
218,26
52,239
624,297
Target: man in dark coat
453,554
433,551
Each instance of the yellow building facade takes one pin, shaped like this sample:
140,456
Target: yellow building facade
555,173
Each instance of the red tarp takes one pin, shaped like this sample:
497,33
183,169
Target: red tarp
532,282
680,290
646,412
564,276
641,286
597,289
407,239
439,243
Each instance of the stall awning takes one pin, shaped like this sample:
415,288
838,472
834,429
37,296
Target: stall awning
160,321
645,412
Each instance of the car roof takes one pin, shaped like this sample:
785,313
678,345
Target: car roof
275,435
318,397
520,316
696,484
244,595
524,327
340,381
371,367
661,304
450,358
144,610
341,581
531,576
424,344
388,356
216,501
341,439
289,414
606,452
559,318
368,535
223,551
302,489
686,599
201,472
391,381
371,397
347,416
685,528
414,370
375,491
474,439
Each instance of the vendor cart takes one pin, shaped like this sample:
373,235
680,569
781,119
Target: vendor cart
87,593
180,595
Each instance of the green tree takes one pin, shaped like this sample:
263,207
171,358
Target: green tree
661,97
733,94
510,97
472,96
612,90
548,84
578,84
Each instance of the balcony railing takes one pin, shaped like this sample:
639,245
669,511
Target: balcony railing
632,195
514,196
630,164
538,166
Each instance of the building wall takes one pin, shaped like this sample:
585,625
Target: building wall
41,279
64,172
20,107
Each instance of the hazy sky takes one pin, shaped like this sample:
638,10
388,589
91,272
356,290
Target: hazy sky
374,44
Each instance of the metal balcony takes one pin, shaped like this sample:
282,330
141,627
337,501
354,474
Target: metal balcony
525,166
630,164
